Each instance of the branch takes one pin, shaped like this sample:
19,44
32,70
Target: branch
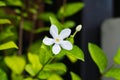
20,36
64,6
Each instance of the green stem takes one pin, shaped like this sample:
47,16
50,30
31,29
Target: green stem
74,33
107,69
49,61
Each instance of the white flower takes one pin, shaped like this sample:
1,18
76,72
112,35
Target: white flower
58,39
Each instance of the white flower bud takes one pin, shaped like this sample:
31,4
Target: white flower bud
79,27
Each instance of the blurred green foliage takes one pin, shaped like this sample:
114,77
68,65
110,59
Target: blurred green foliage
23,55
99,57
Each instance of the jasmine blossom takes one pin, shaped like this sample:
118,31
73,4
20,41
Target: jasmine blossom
58,39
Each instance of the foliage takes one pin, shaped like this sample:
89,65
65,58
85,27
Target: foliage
99,57
8,45
26,57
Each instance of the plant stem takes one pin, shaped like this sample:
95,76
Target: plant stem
39,9
64,6
49,60
107,70
20,37
32,32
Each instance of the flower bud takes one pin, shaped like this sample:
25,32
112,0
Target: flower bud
79,27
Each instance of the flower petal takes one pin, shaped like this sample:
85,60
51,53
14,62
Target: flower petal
56,49
66,45
53,31
65,33
48,41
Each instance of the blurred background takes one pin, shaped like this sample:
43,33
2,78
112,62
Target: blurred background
91,16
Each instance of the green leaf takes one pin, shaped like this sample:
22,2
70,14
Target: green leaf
54,77
14,3
28,26
2,3
76,52
117,57
8,33
8,45
59,68
16,76
113,73
32,10
98,56
74,76
30,70
15,63
29,78
35,46
17,11
3,75
70,9
44,75
48,1
5,21
45,16
35,66
61,55
69,24
72,59
44,53
54,21
39,30
2,13
34,60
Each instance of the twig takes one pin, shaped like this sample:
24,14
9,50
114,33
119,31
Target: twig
39,9
64,7
107,70
32,32
20,36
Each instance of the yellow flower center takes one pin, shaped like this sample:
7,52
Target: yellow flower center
57,40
